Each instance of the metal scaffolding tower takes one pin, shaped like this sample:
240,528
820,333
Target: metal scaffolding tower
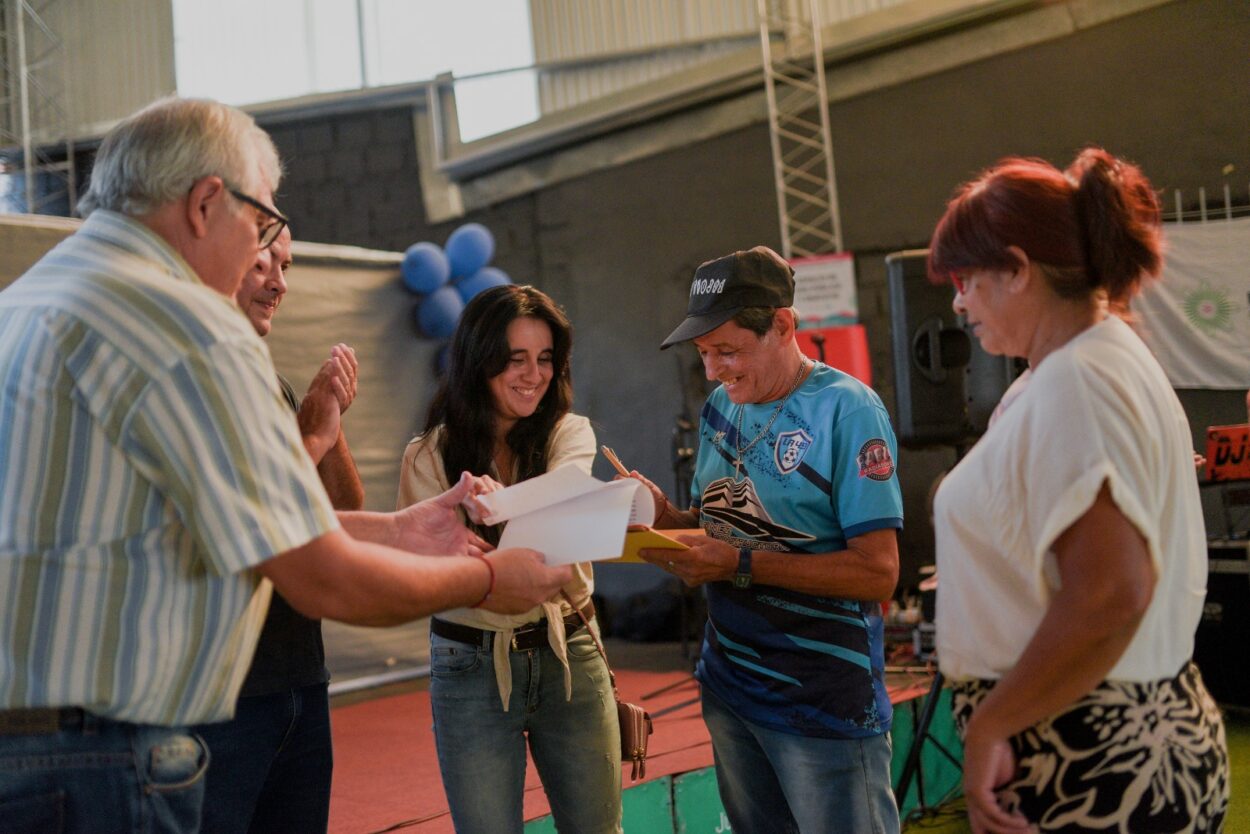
798,119
36,146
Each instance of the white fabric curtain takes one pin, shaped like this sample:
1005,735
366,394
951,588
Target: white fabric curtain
1197,318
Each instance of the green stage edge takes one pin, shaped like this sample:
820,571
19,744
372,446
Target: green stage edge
689,803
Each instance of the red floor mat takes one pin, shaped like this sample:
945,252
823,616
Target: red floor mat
386,772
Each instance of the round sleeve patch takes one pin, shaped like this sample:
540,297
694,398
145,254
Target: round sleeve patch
875,461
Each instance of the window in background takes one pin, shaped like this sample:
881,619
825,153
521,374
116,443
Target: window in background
243,52
409,40
264,51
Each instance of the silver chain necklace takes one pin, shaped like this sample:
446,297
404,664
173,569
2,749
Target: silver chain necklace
739,452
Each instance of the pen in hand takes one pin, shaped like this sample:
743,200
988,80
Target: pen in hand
615,461
661,501
620,467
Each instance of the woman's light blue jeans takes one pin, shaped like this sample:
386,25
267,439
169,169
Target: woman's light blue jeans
481,749
780,782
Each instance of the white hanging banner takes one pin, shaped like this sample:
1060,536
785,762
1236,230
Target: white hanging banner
824,290
1197,318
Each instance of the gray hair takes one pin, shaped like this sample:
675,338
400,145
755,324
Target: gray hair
759,320
154,156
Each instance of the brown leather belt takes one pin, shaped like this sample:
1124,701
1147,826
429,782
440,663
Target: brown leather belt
40,721
525,638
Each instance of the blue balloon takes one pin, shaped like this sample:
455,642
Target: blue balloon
470,248
439,312
483,279
425,267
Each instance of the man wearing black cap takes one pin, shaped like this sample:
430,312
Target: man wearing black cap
796,490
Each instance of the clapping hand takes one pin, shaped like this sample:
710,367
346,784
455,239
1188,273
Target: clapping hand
329,394
343,359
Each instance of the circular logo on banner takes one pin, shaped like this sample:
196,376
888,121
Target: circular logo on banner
874,460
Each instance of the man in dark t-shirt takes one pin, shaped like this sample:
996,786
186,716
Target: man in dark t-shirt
271,764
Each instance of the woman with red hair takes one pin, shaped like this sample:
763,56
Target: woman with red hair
1070,540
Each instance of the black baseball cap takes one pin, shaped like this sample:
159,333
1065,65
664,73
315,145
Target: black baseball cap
756,277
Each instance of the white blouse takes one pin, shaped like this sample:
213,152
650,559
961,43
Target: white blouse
1097,410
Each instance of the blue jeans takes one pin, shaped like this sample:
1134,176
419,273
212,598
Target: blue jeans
779,782
271,764
576,744
102,777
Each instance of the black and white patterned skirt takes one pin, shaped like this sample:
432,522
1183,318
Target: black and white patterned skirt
1136,758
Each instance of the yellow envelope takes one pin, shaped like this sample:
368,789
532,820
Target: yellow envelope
638,538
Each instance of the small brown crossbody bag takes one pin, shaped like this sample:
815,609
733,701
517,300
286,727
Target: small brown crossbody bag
636,726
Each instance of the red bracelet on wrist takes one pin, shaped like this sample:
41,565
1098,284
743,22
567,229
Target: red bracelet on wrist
491,588
663,510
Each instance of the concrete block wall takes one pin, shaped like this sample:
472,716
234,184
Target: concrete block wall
351,178
617,246
1165,87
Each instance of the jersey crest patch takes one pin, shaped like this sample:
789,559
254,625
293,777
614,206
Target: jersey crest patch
874,460
791,447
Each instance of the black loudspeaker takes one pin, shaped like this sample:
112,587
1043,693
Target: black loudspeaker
1220,643
946,386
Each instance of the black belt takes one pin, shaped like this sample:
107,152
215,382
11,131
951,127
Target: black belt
525,638
40,721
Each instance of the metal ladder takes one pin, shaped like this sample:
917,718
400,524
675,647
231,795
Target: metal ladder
798,120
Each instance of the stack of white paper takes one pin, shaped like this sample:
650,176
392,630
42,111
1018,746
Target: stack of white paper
569,516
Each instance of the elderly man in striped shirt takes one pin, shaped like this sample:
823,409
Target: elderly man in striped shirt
151,475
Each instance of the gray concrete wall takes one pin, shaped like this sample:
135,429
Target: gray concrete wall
1167,88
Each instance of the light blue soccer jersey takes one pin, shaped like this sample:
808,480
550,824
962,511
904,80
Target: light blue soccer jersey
824,474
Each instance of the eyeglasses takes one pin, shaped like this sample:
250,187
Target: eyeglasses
277,220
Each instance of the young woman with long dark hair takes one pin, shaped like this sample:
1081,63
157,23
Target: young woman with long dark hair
502,414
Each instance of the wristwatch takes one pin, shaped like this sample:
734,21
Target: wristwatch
742,579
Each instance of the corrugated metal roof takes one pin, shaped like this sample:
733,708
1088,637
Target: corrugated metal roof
610,45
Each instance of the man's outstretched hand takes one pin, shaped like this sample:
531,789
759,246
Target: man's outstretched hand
522,580
433,527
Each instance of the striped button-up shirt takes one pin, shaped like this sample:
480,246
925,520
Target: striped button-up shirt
147,461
